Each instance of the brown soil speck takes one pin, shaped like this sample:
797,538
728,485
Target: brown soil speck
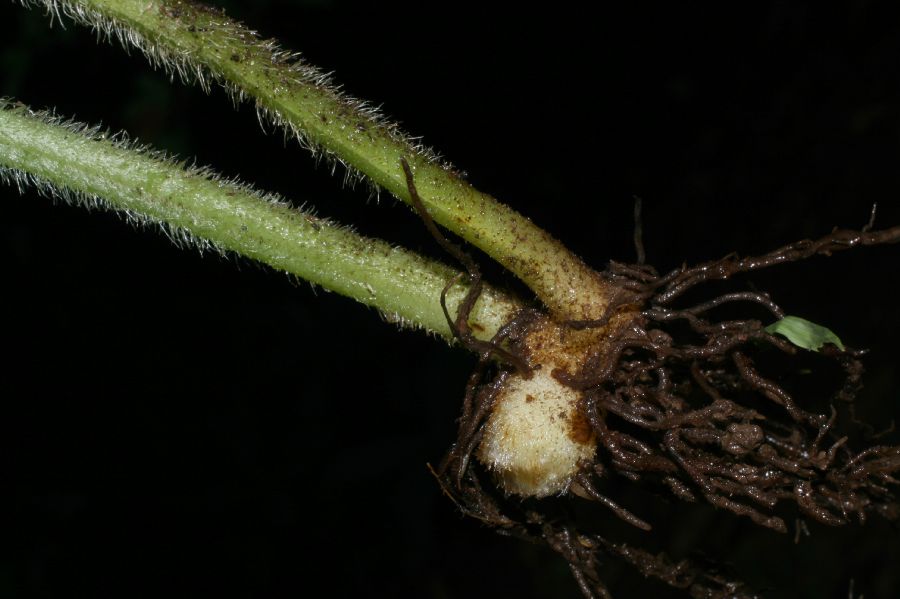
580,428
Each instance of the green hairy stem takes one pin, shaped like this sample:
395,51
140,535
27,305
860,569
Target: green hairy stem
194,205
203,44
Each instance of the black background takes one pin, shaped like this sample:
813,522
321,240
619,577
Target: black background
174,424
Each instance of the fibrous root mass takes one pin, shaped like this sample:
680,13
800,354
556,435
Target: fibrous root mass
690,405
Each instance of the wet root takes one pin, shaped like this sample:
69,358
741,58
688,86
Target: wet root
680,402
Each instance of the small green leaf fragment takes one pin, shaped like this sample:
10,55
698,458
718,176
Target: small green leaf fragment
804,333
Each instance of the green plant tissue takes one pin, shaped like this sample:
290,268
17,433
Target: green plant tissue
804,333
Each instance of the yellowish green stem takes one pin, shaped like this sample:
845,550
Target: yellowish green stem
66,160
203,43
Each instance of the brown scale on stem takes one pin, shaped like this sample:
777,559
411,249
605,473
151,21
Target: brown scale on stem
673,399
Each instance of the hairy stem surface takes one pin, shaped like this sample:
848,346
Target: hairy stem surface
203,44
194,205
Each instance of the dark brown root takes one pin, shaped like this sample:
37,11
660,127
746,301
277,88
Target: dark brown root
668,404
680,404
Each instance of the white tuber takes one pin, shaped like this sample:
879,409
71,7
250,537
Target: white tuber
536,436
